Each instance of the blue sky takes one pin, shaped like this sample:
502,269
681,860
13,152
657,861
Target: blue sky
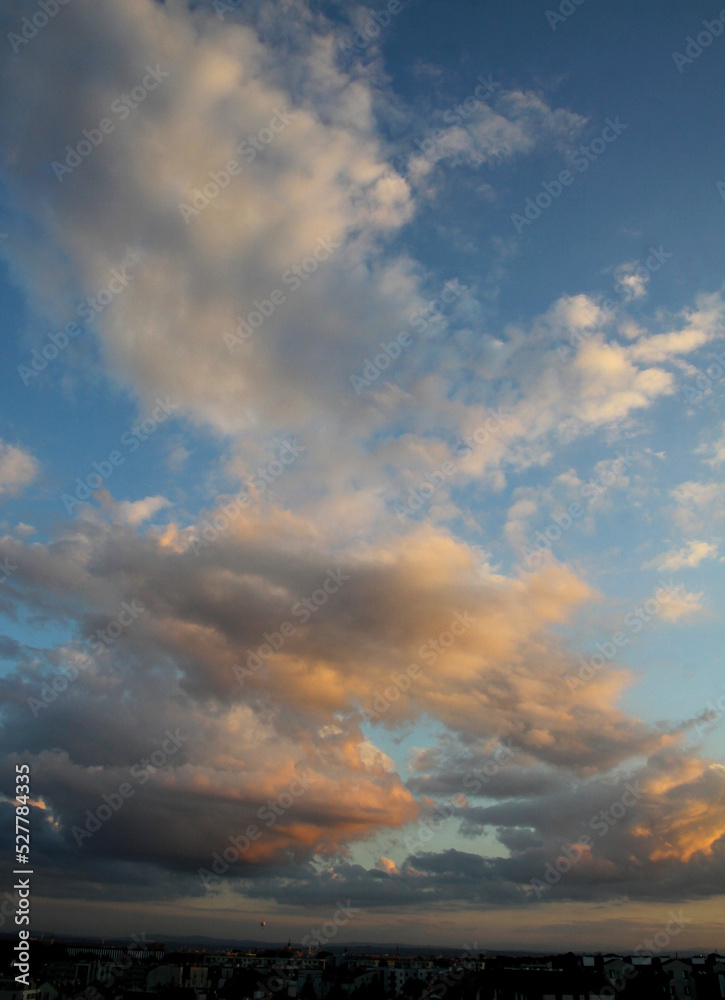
524,205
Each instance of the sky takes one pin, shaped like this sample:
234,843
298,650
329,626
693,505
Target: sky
362,445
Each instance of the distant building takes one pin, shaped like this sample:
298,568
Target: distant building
682,981
179,976
10,990
46,991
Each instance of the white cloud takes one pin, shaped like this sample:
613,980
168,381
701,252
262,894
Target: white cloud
137,511
18,469
715,450
681,604
630,280
689,556
701,325
512,123
697,495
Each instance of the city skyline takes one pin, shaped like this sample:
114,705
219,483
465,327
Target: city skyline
361,455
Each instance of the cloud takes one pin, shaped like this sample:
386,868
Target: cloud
387,866
696,494
324,178
689,556
631,280
18,469
137,511
682,604
394,598
323,184
517,123
489,668
651,835
271,638
698,506
701,325
714,449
